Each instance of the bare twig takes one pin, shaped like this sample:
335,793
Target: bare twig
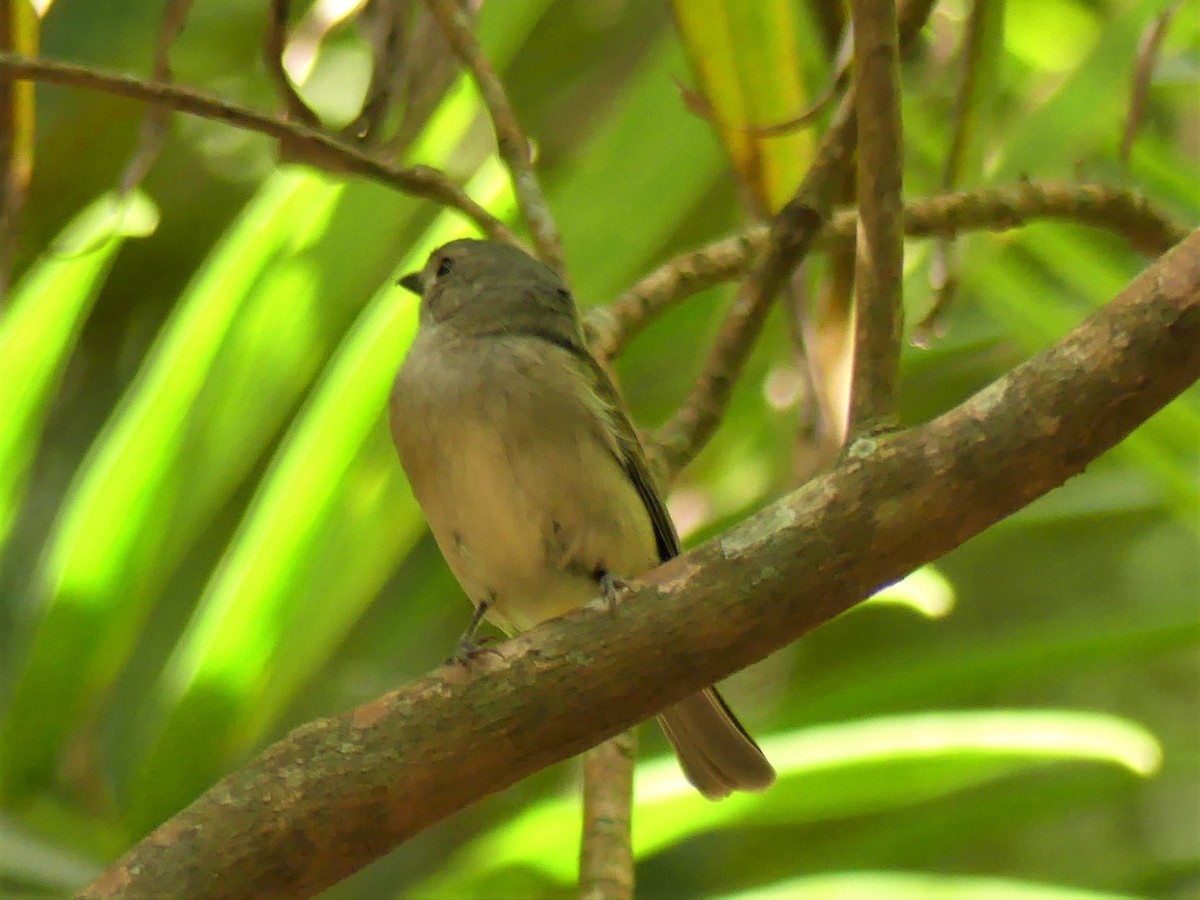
878,271
335,155
384,25
809,116
274,43
340,792
606,855
156,121
981,51
791,234
614,325
510,140
1122,212
805,118
943,282
1143,73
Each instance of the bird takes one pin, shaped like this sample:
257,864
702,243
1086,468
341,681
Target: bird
519,449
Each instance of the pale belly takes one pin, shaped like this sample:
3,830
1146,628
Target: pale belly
526,503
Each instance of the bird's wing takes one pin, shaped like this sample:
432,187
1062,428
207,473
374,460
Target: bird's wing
629,453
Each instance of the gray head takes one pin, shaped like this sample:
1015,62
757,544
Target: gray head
489,287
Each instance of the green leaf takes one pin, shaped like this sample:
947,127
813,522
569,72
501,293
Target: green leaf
619,165
926,591
746,58
939,676
826,772
1077,118
120,526
40,328
28,859
328,522
919,886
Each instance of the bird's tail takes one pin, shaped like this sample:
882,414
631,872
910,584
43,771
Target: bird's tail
714,750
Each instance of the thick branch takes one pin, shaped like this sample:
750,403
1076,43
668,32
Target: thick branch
879,253
510,140
1122,212
317,147
346,790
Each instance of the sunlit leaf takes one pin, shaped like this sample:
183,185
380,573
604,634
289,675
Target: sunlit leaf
925,590
829,771
919,886
119,519
26,859
939,676
40,328
746,58
324,530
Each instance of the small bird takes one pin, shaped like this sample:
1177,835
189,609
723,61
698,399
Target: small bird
535,485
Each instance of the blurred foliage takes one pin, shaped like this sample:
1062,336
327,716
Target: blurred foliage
205,538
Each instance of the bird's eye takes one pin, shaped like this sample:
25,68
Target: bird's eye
445,264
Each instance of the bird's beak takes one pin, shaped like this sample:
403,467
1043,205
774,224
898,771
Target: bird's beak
412,282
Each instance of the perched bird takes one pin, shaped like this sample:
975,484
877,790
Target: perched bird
532,478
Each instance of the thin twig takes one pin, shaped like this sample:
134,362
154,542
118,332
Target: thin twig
274,44
383,25
809,115
790,236
156,121
612,327
606,855
429,69
879,266
510,140
326,151
1119,211
981,50
1147,60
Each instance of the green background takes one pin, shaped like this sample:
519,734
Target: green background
205,538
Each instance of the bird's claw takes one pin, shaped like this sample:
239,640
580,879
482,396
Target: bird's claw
468,649
610,587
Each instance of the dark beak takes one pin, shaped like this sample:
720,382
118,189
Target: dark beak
412,282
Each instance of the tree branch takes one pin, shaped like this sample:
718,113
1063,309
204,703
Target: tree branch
274,44
347,789
152,136
510,140
1122,212
983,42
789,238
879,254
606,854
318,148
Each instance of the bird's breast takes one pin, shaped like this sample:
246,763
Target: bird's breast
511,466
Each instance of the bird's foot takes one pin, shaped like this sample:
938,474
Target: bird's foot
610,588
469,648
